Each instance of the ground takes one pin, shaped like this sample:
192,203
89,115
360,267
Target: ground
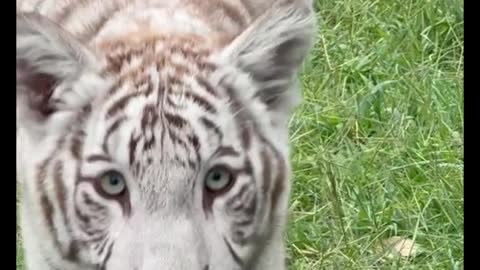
377,146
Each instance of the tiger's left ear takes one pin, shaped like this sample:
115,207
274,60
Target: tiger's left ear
55,73
272,50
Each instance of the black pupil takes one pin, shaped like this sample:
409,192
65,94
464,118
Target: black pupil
114,180
217,176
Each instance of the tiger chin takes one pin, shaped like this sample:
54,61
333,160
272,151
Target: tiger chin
153,134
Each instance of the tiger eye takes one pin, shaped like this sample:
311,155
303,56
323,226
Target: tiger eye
218,179
113,183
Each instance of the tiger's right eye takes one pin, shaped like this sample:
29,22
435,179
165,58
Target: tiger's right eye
113,183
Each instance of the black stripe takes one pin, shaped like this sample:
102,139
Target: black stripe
102,246
175,120
206,86
235,256
238,196
212,126
200,101
110,130
107,257
96,158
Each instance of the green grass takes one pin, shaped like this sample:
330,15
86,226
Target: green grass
377,146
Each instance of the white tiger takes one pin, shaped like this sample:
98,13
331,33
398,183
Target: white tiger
152,134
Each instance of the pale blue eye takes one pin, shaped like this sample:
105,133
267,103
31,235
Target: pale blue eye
113,183
218,179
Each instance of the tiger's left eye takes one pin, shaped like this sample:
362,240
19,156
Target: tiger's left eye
113,183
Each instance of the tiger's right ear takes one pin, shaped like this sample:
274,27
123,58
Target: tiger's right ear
55,73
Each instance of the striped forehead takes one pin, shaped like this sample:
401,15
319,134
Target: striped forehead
160,97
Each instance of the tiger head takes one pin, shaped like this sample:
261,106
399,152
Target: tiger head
157,151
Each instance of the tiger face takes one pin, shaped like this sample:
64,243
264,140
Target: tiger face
164,151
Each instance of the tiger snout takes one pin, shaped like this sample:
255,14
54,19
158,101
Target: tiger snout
176,247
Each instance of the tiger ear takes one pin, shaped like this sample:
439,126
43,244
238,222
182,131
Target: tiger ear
55,73
272,50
